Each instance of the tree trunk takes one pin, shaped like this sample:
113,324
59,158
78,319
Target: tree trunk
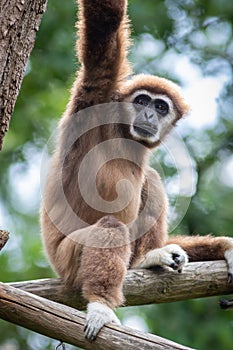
19,22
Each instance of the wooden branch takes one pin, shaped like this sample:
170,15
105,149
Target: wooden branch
19,22
4,236
198,280
66,324
226,304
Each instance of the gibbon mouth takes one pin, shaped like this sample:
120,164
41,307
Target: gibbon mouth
145,130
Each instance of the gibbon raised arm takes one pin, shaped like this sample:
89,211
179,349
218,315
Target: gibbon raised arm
101,50
104,209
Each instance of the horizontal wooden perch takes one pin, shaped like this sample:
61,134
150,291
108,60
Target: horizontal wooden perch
18,305
66,324
198,280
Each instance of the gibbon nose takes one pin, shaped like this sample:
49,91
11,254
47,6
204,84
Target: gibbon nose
148,115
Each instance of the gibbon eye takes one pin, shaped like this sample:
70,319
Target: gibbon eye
161,107
142,100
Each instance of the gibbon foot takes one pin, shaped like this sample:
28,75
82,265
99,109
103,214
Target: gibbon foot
98,315
170,255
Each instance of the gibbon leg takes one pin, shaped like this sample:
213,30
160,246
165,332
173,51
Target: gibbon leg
94,260
203,248
104,263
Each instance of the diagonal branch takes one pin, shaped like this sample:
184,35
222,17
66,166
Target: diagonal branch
66,324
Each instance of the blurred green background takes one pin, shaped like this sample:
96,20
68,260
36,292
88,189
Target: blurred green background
190,42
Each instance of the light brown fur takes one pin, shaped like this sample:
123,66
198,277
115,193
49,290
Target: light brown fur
94,255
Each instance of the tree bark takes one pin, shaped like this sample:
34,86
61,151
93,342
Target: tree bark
4,236
198,280
66,324
19,22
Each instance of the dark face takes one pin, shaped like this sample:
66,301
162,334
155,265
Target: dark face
149,111
154,114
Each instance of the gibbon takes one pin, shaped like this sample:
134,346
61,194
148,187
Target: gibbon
104,210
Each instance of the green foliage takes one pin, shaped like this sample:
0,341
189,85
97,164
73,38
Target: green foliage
165,33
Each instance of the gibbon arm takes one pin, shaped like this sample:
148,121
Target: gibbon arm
204,248
101,49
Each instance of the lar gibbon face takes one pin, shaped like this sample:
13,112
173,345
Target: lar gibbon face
153,116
